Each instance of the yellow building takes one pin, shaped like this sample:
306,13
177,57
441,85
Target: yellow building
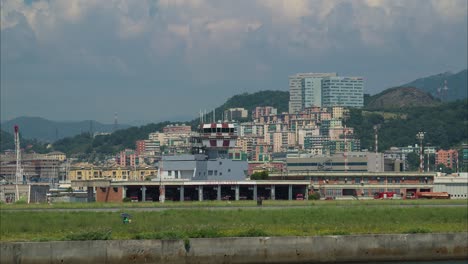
56,155
89,172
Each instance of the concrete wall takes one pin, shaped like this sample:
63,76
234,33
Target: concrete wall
325,249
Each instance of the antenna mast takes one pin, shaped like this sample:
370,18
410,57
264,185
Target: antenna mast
116,124
445,90
19,170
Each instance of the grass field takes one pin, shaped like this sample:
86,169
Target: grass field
17,225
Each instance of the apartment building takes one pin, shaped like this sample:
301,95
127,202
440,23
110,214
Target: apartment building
447,157
305,92
343,91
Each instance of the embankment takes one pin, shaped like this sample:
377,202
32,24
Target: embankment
322,249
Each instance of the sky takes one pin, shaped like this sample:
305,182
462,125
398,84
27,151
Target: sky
161,60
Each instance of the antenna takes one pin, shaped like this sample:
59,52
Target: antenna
445,90
116,124
91,128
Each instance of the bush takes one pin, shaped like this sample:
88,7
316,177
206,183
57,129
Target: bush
252,232
418,230
262,175
314,196
126,200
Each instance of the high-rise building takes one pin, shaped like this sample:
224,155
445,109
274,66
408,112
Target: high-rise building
312,91
343,91
305,93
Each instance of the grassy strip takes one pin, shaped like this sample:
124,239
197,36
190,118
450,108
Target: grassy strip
323,220
171,204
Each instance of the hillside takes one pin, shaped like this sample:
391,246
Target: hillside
400,97
7,141
277,99
456,82
446,125
49,131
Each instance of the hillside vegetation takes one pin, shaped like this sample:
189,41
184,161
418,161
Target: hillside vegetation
277,99
445,125
401,97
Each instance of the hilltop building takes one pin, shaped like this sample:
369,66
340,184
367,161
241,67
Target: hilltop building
305,90
343,91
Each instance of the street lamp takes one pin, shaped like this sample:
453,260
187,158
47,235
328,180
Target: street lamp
420,137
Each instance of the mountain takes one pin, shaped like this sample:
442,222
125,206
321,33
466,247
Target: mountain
457,85
400,97
47,130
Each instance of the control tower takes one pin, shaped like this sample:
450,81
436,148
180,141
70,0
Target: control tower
215,139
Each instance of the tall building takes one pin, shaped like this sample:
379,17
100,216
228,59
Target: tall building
312,91
298,94
343,91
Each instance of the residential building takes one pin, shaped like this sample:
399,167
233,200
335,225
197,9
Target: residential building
260,111
343,91
447,157
232,114
177,129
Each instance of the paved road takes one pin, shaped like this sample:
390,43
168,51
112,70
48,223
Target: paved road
157,209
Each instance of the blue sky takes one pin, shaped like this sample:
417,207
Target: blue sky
167,59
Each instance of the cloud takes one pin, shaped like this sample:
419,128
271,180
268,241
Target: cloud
203,48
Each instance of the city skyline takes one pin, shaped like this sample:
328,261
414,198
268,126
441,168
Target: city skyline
166,60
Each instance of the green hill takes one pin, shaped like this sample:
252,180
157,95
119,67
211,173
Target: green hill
400,97
456,82
446,125
277,99
7,142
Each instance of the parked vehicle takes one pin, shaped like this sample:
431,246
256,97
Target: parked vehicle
384,195
432,195
299,197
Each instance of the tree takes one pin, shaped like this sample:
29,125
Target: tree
413,161
260,175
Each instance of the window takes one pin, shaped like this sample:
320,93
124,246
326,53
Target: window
210,173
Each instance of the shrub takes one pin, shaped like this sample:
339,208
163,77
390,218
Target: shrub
126,200
418,230
262,175
314,196
252,232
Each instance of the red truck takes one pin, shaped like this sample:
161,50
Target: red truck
384,195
